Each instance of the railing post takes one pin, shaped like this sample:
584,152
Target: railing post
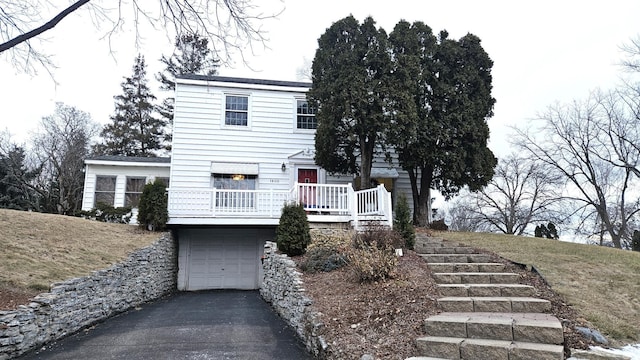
213,202
352,204
390,209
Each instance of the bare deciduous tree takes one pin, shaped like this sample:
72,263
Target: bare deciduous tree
230,25
462,216
60,146
590,144
522,192
632,50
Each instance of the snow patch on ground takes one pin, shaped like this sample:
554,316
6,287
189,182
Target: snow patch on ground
632,351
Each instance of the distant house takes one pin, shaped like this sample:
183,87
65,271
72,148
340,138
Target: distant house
241,149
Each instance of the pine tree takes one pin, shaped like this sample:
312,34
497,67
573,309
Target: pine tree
16,190
192,56
136,130
402,222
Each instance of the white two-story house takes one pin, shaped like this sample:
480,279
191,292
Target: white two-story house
241,149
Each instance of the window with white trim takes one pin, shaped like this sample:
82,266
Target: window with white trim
133,191
105,192
234,191
236,110
305,115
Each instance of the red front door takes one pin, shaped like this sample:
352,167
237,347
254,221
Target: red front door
308,176
308,192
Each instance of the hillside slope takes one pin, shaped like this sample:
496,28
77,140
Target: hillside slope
40,249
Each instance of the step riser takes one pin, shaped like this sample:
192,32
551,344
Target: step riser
466,267
466,290
447,250
526,305
487,349
497,329
476,278
456,258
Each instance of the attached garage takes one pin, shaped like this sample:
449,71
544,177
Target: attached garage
221,257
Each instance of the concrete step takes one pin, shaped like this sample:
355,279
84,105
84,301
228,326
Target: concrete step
466,267
477,290
448,250
456,258
476,278
524,327
494,304
481,349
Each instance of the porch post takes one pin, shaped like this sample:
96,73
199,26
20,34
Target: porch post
352,202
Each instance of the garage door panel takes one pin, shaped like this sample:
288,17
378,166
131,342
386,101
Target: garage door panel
228,262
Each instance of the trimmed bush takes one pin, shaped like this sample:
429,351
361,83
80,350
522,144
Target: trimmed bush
403,222
326,252
325,259
292,234
107,213
152,209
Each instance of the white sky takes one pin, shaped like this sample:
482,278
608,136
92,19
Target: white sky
543,51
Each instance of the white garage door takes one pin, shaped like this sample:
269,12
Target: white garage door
220,261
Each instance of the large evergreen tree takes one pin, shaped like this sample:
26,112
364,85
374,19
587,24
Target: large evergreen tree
16,180
192,56
136,129
355,97
451,88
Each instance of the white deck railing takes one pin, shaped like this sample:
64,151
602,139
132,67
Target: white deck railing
317,199
221,202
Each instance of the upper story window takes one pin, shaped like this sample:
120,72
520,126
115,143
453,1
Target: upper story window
236,110
306,116
132,194
105,190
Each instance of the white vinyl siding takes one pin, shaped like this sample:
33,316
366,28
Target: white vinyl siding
120,173
201,139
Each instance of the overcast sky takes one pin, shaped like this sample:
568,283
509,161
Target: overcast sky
543,52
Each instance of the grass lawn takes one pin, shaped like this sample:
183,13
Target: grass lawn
37,249
603,284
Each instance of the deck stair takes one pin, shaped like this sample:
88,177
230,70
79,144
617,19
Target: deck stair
487,313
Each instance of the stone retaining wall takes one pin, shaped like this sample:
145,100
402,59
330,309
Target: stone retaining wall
146,275
282,287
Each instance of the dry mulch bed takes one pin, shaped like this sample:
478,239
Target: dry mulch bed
11,298
383,318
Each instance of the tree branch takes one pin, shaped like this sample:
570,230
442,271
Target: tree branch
39,30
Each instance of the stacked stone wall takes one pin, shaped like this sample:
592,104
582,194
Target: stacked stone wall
282,286
72,305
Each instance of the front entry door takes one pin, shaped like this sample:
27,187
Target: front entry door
308,192
308,176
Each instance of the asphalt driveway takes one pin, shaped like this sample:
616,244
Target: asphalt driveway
188,325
